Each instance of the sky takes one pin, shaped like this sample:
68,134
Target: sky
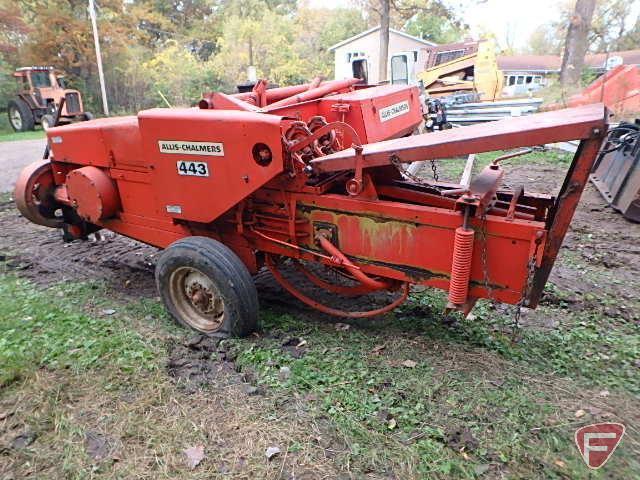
511,21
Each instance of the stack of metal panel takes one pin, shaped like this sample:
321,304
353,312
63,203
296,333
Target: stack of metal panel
471,113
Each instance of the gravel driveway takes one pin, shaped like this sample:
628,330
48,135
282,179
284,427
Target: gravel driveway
14,156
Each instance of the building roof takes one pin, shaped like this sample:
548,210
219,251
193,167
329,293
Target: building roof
629,57
551,63
374,29
529,63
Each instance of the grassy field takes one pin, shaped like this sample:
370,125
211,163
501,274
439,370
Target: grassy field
94,386
406,397
8,135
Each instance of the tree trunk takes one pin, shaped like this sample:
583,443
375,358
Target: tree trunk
575,47
384,39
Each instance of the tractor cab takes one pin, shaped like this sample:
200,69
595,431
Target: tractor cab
40,93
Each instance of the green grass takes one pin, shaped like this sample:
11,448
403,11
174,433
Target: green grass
451,169
514,401
8,135
48,329
472,376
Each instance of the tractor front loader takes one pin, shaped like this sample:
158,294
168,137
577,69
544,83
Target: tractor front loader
312,176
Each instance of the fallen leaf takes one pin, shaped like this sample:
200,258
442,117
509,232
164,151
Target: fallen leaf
560,463
377,350
342,327
580,413
409,364
301,344
272,452
108,311
604,393
392,424
194,455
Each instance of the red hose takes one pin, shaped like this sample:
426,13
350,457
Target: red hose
346,290
325,309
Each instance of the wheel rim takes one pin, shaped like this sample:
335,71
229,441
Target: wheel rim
16,119
197,299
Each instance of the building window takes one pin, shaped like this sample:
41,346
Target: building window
359,69
444,57
399,70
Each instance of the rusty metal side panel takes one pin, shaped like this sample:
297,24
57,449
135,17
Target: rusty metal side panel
414,243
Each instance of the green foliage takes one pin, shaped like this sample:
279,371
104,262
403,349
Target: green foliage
178,75
178,48
7,84
44,328
435,28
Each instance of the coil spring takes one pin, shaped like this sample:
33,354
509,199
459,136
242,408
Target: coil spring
461,266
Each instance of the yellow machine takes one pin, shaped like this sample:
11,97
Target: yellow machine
477,72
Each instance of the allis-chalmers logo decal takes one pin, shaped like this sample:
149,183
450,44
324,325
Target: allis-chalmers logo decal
191,148
598,441
393,111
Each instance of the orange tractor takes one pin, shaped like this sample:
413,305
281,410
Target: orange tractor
311,176
41,98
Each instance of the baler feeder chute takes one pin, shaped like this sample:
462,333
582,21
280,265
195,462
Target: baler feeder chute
254,180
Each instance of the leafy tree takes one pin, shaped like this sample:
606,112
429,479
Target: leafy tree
545,40
611,28
266,42
13,30
178,75
434,28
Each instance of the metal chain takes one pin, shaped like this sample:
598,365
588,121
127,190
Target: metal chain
531,269
434,169
485,255
395,161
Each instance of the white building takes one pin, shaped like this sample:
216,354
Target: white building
359,56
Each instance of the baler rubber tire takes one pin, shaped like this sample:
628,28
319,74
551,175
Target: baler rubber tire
225,270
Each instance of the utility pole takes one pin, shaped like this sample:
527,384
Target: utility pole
96,42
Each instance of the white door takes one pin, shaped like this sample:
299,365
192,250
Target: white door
402,67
